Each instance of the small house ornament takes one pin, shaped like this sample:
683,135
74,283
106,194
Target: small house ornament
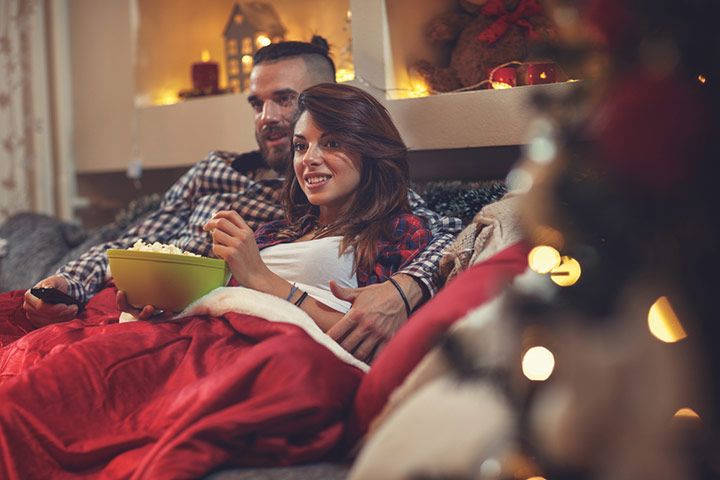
251,26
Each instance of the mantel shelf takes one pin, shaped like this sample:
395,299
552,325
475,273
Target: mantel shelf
181,134
110,132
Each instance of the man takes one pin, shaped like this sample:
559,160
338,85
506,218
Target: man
251,185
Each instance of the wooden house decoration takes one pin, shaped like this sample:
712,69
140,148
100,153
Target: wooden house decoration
251,26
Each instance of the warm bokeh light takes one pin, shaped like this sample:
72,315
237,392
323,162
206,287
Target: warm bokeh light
205,55
344,74
567,273
543,75
664,323
536,478
686,413
538,364
543,258
247,62
702,79
262,40
166,97
500,85
419,88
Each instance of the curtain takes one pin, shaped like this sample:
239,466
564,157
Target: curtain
25,130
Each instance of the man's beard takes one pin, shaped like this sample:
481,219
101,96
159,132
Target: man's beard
280,158
277,158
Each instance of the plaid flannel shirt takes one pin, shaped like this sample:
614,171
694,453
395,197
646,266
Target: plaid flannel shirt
409,237
228,181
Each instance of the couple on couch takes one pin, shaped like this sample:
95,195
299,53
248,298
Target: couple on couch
249,184
82,395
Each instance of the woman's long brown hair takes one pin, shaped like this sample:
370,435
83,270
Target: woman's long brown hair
363,127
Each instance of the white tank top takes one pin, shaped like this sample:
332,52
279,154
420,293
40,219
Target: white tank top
311,265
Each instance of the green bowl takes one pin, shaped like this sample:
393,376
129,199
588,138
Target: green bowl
166,281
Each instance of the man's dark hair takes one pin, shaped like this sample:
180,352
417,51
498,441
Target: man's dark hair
314,51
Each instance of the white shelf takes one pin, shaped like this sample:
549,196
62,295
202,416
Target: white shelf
468,119
183,133
110,131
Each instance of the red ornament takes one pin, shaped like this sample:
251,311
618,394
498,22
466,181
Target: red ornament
650,130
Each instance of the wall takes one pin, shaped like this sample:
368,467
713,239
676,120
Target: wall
172,34
102,80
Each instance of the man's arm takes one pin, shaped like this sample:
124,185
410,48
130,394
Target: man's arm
378,310
425,268
88,274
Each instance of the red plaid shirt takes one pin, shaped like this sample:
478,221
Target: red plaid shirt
410,236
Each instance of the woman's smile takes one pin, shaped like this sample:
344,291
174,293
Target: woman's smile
314,181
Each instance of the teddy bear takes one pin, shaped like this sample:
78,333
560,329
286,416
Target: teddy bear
487,33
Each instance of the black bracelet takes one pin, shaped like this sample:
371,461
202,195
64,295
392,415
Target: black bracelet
408,310
301,299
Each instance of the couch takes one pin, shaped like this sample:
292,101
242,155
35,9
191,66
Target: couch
63,241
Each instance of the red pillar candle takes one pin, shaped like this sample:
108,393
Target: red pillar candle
504,77
205,76
539,73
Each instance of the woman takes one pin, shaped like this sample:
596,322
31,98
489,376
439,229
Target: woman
94,398
346,206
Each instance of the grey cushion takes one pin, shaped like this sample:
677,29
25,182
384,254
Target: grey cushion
36,245
33,243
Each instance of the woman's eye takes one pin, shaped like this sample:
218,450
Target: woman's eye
332,144
299,147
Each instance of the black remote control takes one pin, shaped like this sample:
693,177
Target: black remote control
53,295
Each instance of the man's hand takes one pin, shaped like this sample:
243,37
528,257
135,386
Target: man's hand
148,312
40,313
377,313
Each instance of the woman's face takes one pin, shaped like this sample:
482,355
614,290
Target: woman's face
327,171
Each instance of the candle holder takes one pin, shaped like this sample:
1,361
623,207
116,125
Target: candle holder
205,76
505,77
540,73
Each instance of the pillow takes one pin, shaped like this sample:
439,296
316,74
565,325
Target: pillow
33,243
468,290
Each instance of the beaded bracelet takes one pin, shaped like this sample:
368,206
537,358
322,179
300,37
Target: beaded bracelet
293,289
408,310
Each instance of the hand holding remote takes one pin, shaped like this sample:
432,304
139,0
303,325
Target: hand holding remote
41,312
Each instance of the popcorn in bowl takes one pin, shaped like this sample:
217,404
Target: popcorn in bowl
141,246
164,275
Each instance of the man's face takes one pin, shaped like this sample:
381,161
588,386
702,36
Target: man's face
274,89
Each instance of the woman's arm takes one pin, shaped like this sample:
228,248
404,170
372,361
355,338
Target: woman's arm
234,242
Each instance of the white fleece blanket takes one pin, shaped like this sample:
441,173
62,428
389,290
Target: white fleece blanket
271,308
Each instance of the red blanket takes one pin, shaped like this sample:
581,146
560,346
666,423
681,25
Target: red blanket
93,398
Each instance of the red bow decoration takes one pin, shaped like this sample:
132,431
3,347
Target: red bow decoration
496,8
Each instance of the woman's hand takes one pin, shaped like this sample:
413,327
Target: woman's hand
234,242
